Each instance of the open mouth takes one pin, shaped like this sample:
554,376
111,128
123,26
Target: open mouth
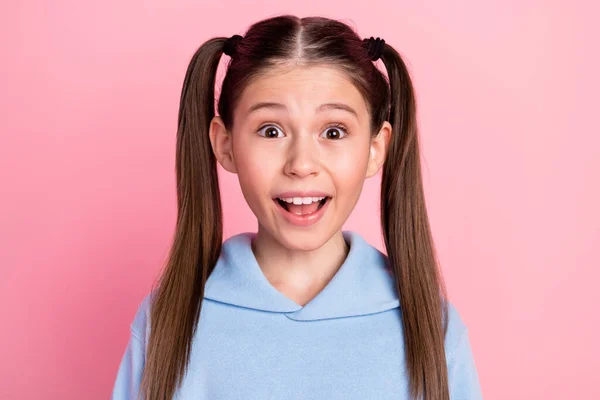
304,207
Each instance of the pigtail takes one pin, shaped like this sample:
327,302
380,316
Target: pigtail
409,242
176,303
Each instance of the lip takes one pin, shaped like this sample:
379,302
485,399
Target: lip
313,193
307,219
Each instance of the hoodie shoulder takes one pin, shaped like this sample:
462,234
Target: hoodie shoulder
462,371
456,329
140,326
129,374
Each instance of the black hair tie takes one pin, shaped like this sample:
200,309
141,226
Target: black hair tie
375,47
231,44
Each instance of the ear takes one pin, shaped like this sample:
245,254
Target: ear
222,145
378,149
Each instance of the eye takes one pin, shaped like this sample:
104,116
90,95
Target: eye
271,132
335,132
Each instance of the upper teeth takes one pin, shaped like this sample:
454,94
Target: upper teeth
302,200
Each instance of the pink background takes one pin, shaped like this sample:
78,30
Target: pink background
507,94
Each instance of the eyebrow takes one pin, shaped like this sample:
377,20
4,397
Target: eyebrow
321,108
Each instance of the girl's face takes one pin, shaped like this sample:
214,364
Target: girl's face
301,135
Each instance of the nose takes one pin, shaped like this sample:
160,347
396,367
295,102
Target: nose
302,157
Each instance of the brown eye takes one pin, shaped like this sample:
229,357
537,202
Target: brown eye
269,131
335,133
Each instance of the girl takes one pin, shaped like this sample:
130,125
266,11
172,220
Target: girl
300,309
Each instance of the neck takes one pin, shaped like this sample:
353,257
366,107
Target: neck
299,274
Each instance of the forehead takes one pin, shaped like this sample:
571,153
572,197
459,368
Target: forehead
302,89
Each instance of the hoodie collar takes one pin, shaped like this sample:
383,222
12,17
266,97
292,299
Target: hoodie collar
363,285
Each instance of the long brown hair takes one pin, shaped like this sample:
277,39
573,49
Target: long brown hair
280,41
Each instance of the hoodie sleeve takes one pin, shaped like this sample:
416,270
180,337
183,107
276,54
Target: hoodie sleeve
129,375
462,373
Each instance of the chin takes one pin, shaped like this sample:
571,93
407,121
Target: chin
308,240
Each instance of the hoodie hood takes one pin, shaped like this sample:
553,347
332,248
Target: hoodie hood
363,285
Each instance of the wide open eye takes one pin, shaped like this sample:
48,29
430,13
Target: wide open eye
335,132
270,132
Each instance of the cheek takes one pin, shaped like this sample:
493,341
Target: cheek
252,173
349,168
253,183
255,169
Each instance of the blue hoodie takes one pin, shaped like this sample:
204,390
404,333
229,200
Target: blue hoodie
253,342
